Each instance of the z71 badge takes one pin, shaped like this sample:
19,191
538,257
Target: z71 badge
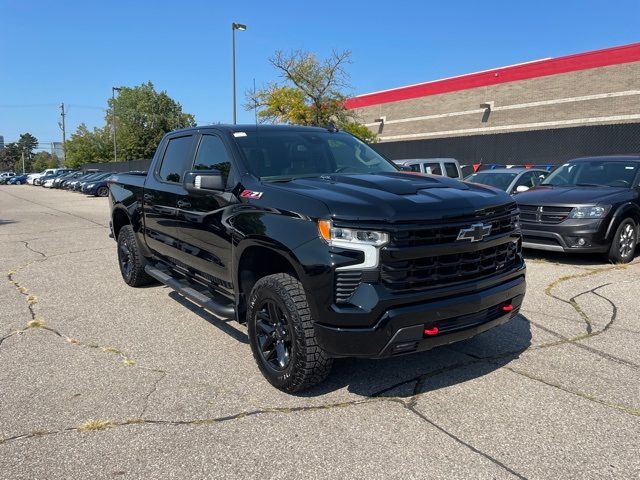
250,194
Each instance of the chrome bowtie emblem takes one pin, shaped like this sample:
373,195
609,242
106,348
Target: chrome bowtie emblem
475,232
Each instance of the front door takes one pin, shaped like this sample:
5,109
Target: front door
204,233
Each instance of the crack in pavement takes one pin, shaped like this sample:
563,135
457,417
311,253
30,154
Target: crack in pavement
409,405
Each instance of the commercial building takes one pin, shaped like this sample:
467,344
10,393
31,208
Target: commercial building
545,111
1,142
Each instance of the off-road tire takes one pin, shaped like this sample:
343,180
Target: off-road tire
135,275
308,363
615,254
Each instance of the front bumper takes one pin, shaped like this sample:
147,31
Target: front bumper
400,329
563,237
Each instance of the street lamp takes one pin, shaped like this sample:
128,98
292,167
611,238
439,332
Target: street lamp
115,144
242,28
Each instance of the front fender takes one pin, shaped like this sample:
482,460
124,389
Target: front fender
627,209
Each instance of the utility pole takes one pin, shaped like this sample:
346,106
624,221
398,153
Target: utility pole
64,135
23,171
115,143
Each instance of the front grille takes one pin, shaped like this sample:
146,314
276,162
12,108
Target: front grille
448,233
441,270
346,283
543,214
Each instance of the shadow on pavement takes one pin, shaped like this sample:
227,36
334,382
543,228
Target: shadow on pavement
431,370
226,326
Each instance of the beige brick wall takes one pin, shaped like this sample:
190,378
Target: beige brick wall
597,81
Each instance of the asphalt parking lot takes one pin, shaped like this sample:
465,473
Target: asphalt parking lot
101,380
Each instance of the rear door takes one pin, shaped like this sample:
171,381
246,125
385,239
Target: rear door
161,192
204,234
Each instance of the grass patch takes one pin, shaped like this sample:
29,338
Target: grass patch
94,425
128,362
35,323
110,350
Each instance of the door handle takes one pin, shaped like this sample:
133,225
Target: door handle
183,204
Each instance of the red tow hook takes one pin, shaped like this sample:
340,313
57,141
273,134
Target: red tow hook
430,332
506,308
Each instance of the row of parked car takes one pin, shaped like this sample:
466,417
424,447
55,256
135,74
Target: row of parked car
89,182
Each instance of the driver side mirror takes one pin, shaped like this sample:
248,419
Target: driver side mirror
521,189
201,181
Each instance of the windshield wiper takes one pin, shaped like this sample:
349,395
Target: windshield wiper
588,185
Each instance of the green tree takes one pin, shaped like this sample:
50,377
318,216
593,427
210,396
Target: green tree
43,160
87,146
11,155
28,143
312,92
143,116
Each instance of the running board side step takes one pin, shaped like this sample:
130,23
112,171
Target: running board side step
225,311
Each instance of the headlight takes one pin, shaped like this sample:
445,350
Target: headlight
589,212
340,236
91,185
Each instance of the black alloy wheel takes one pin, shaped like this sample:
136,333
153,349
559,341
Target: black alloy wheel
103,191
273,330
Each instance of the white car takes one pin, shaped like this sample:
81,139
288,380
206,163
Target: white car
448,167
32,176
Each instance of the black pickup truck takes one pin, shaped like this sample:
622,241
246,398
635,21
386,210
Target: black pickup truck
321,246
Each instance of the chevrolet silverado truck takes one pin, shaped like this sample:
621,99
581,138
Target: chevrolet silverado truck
321,246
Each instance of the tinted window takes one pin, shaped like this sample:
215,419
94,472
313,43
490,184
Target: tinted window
432,168
176,159
291,154
594,173
213,155
414,167
451,169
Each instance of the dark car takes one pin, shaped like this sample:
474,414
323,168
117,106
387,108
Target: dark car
97,185
75,185
320,245
57,182
585,205
17,180
511,180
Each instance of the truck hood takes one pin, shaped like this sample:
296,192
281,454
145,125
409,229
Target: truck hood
395,197
572,196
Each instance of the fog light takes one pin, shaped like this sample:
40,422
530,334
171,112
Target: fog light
581,242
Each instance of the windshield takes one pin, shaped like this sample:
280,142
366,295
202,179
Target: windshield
498,180
598,173
288,154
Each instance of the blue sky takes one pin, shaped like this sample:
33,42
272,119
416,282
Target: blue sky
75,51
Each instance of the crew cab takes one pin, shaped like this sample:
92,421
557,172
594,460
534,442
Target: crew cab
588,205
320,245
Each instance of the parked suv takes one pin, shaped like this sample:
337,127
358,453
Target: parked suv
320,245
448,167
586,205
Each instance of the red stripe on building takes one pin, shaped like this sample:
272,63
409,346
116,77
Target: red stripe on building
542,68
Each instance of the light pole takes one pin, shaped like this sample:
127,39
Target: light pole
115,143
242,28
